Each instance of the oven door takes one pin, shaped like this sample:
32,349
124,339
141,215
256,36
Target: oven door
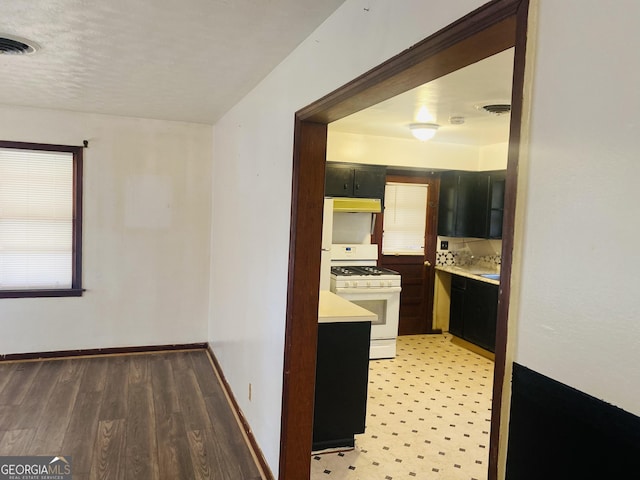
384,302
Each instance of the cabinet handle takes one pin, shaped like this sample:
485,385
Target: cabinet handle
357,186
345,186
427,263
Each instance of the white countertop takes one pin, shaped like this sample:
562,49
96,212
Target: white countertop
333,308
472,272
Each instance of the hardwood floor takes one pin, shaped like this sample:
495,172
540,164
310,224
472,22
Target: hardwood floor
146,416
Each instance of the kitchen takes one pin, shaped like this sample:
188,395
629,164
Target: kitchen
471,147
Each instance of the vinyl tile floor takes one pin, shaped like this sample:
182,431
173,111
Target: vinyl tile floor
428,417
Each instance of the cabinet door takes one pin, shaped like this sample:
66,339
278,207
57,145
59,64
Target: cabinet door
496,205
456,312
368,182
473,191
447,204
338,181
481,302
342,378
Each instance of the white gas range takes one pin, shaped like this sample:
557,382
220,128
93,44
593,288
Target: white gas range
355,277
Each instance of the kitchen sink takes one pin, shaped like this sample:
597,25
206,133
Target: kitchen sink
491,276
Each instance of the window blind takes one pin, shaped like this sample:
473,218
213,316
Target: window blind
404,223
36,219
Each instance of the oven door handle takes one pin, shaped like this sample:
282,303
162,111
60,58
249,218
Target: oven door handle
368,290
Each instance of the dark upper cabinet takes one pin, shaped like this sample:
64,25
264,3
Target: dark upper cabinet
448,204
470,204
474,311
350,180
497,181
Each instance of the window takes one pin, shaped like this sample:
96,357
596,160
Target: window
40,220
405,216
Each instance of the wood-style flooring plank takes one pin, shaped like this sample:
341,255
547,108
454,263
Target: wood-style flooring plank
71,370
94,378
205,374
6,369
114,398
192,407
180,361
165,398
139,371
142,448
174,457
109,448
203,467
19,382
6,416
54,420
32,408
16,442
82,431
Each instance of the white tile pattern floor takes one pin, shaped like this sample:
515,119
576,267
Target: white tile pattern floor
428,417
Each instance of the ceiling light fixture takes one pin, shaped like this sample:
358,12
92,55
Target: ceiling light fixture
423,131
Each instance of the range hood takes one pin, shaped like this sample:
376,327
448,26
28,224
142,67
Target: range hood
367,205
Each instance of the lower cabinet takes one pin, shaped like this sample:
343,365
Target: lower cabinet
456,312
474,311
342,377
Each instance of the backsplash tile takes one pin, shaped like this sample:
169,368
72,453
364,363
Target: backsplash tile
445,258
470,252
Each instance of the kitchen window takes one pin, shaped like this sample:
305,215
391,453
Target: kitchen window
40,220
405,208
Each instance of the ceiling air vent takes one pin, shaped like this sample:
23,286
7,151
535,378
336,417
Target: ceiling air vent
16,46
497,108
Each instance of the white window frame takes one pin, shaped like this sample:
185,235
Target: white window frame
390,212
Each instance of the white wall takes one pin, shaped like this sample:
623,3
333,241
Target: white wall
578,320
253,150
399,152
147,190
493,157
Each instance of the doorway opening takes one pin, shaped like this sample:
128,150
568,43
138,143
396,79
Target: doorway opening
490,29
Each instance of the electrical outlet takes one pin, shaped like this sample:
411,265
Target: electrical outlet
444,245
249,392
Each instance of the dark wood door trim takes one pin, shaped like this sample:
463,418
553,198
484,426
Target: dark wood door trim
508,227
301,331
488,30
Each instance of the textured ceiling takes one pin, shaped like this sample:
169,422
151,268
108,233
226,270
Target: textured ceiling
188,60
